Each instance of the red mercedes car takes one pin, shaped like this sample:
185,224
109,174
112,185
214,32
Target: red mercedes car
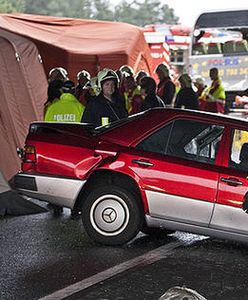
160,170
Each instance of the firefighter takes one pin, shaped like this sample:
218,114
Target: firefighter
166,88
58,73
82,90
140,75
108,106
123,72
67,108
127,69
132,96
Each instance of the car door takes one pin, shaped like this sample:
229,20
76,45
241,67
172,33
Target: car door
177,167
233,185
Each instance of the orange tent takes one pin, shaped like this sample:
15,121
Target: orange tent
74,44
23,88
77,44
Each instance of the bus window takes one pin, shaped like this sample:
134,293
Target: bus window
215,41
220,39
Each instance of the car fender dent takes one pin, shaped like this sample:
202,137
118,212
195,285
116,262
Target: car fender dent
86,165
106,150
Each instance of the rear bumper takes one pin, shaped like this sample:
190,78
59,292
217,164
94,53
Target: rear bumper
59,191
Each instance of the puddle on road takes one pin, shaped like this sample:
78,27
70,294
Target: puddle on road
189,238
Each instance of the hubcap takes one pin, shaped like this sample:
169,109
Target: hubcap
109,215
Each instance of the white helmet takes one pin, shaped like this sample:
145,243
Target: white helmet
83,73
106,74
127,70
60,70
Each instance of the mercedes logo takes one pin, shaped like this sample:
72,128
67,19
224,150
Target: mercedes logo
109,215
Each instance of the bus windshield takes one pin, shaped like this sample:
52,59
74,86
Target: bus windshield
220,39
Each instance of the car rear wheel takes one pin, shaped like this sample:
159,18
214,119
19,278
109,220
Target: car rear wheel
112,215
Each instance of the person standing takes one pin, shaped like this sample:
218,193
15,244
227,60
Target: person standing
139,76
215,95
200,86
82,89
67,108
132,96
166,88
127,69
108,106
186,97
122,72
58,73
148,91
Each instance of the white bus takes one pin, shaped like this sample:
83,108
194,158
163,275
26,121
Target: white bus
220,39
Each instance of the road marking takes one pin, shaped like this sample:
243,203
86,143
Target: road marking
143,260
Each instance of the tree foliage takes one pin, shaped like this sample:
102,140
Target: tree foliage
72,8
10,6
137,12
144,12
102,10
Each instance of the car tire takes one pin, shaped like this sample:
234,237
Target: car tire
112,215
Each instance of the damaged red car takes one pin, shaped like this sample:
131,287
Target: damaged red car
160,170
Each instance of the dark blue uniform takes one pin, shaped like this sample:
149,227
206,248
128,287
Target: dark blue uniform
101,107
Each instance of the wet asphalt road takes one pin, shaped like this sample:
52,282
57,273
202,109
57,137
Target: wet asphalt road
42,254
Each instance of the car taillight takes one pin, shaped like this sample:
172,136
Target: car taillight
29,155
28,158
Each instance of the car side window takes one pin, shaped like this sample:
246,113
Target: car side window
187,139
195,140
238,158
157,141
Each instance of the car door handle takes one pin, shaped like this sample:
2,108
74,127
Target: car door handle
231,181
142,162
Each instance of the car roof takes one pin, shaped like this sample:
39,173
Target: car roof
125,132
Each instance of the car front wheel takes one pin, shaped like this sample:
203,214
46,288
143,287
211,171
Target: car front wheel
111,215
